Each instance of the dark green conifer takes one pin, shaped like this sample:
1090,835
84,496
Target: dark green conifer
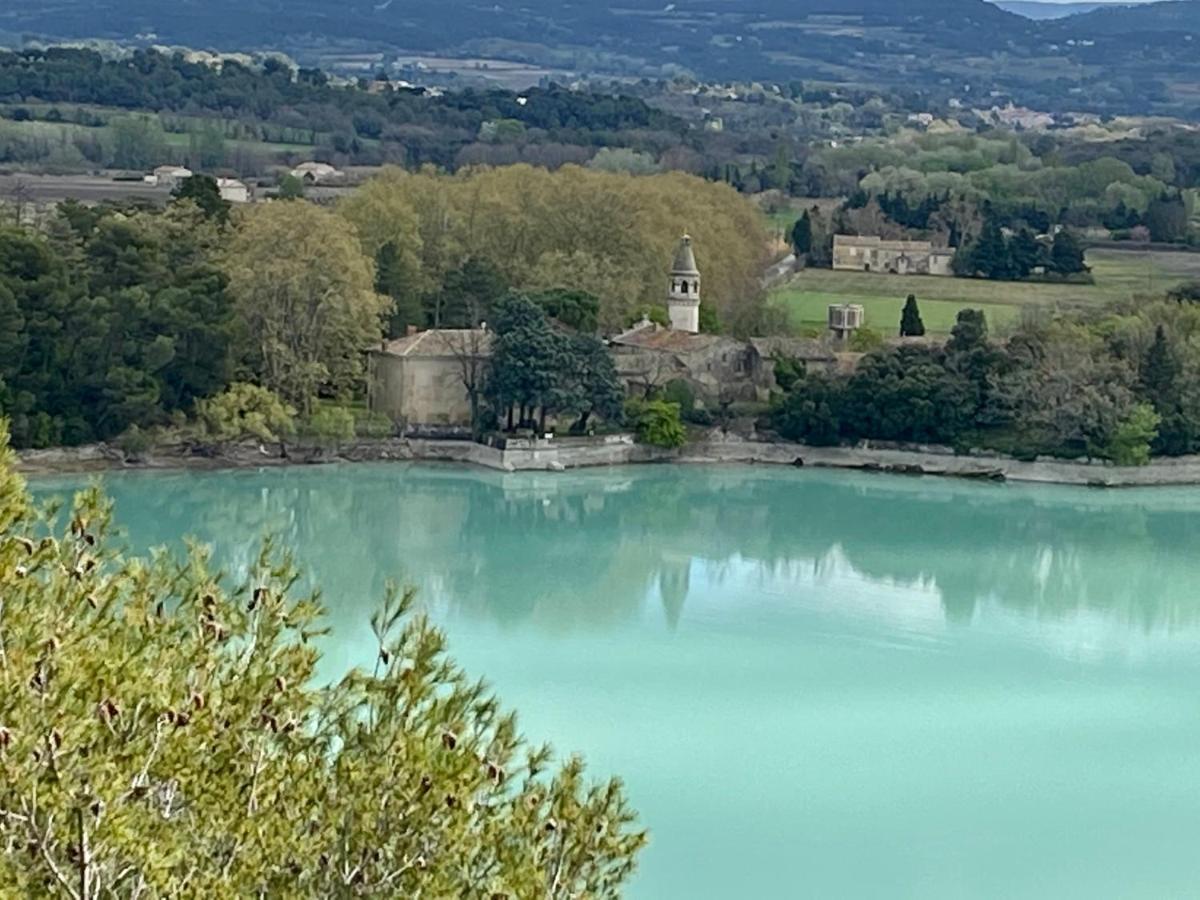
910,319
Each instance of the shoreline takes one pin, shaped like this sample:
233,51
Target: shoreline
552,456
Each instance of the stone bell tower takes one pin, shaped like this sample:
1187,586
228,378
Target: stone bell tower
683,299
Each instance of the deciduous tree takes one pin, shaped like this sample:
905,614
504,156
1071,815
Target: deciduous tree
305,294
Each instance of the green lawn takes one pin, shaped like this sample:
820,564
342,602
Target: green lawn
809,310
1119,275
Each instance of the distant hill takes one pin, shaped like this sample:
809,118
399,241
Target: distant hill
1180,16
1139,59
1036,9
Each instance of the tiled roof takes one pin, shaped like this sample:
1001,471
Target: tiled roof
792,348
441,342
655,337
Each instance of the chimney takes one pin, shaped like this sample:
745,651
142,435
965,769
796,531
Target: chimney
411,330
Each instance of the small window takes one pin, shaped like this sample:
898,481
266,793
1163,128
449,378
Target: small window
683,287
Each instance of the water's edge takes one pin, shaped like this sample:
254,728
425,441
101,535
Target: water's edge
716,448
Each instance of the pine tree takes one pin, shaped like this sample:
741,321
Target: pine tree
910,319
802,235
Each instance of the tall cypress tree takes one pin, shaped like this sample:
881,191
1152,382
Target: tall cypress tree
802,235
910,319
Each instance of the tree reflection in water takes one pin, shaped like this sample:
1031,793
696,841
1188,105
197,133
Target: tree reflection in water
593,549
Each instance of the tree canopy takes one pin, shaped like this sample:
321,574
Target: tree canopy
609,235
163,732
305,295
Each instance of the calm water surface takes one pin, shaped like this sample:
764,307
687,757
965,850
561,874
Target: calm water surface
815,684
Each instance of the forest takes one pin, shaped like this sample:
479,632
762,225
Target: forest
276,105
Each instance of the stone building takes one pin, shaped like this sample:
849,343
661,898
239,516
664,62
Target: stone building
854,253
421,379
718,369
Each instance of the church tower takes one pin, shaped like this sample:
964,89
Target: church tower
683,299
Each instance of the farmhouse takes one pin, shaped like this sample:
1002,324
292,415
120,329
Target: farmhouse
853,253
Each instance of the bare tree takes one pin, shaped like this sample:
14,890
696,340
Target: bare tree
473,349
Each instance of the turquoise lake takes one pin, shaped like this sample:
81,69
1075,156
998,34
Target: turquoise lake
815,684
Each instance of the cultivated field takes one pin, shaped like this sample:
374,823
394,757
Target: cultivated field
1119,275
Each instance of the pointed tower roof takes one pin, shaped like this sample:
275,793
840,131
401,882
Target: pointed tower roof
685,260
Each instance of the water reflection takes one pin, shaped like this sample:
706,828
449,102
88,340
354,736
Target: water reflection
894,687
592,550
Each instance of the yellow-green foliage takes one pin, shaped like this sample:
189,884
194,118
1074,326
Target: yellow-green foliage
607,233
305,295
161,735
1130,444
245,411
331,424
657,423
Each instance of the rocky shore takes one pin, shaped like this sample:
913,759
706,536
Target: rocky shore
558,455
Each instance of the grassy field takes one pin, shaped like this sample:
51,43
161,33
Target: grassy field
1119,275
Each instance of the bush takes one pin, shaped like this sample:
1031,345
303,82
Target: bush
172,724
246,411
865,339
374,425
331,425
657,423
134,443
680,392
1130,443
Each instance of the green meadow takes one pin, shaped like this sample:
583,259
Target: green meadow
1118,275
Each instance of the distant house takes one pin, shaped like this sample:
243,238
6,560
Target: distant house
854,253
168,176
233,191
421,379
317,173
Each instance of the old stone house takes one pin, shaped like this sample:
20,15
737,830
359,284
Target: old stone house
421,379
856,253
